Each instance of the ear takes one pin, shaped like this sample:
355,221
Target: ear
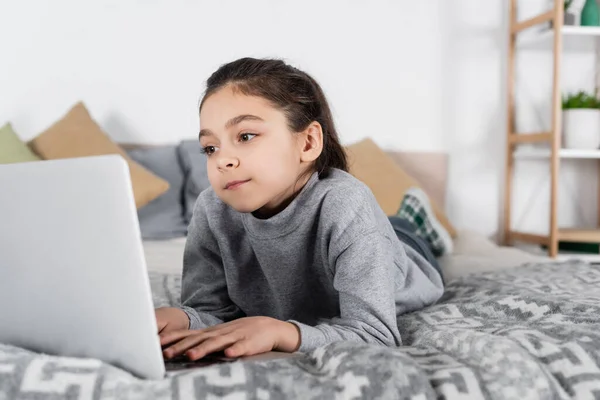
310,142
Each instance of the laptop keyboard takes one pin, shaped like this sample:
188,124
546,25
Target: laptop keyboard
182,362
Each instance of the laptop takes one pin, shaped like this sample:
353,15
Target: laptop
73,278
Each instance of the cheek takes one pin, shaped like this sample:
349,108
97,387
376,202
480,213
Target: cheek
281,170
276,162
213,174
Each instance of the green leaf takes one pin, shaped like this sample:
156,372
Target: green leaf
568,4
580,100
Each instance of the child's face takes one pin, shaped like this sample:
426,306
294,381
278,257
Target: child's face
254,161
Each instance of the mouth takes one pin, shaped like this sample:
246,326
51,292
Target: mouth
235,184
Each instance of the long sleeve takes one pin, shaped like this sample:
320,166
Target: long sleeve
330,262
204,295
364,278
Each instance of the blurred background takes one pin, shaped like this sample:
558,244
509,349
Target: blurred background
426,76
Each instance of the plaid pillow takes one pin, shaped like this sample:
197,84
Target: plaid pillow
415,208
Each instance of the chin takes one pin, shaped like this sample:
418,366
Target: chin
242,206
244,209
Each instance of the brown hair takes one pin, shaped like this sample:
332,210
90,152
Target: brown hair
292,91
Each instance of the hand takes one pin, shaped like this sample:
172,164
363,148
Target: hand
171,319
242,337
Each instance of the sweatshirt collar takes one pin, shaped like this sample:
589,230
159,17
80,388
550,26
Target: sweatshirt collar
286,220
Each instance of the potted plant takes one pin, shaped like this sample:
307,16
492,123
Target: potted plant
569,17
581,121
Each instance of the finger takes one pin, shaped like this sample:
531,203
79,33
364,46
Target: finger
211,345
160,321
162,328
225,325
222,331
167,338
174,336
241,348
183,345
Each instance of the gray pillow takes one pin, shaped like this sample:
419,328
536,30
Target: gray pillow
163,217
193,163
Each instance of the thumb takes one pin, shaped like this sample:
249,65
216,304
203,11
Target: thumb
161,323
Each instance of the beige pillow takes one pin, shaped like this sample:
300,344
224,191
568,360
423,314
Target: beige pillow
388,182
12,148
78,135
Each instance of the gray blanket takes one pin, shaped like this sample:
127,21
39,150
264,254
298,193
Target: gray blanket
528,332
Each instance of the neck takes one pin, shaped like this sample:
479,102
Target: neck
281,202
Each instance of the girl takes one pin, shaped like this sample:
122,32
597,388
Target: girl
287,251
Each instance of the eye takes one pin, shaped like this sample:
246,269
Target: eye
208,150
246,137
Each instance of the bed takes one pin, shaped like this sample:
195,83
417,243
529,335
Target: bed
472,253
509,326
528,331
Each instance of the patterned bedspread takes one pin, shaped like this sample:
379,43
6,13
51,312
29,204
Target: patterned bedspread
525,333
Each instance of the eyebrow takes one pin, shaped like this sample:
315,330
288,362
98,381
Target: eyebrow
232,122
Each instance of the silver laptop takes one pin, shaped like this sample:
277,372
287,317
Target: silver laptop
73,279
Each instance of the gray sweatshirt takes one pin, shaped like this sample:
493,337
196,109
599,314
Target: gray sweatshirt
330,263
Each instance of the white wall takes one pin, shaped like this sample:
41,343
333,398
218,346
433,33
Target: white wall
414,75
578,178
141,65
473,112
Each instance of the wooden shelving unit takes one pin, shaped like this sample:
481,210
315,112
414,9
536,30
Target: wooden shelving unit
569,33
516,142
537,153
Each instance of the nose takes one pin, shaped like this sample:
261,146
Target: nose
227,162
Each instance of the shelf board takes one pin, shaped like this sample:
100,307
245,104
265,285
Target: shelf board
579,235
537,153
564,235
531,242
562,255
573,35
580,30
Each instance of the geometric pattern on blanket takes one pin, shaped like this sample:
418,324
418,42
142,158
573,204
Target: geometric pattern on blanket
527,332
